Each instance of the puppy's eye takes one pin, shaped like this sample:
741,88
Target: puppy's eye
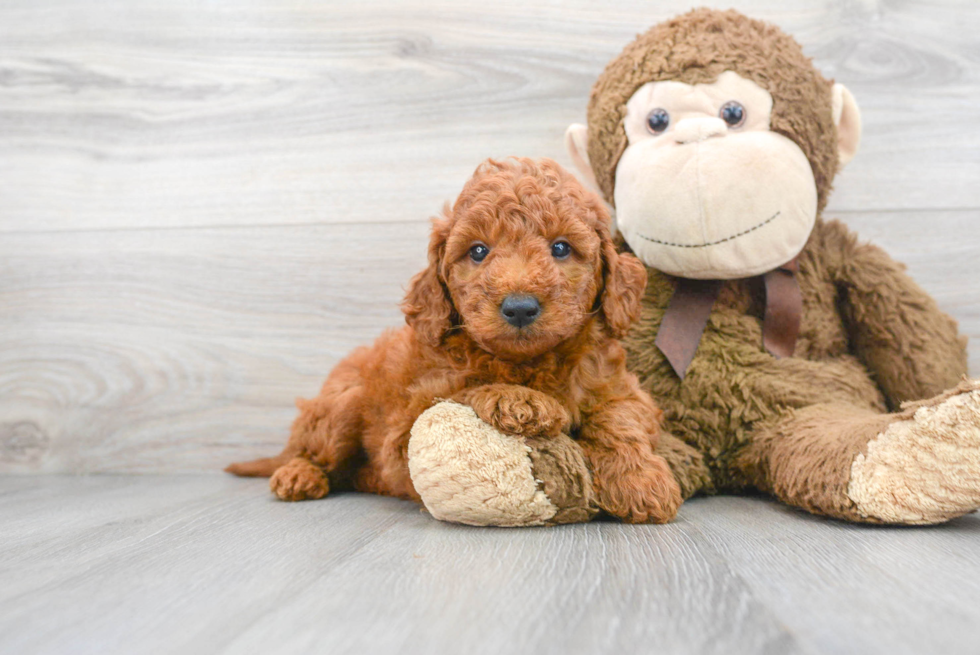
560,249
479,252
658,120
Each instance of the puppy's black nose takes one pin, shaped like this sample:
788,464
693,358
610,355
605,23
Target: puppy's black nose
520,310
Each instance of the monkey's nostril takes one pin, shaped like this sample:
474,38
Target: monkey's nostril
520,310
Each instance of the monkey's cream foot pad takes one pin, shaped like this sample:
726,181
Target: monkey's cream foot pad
925,467
468,472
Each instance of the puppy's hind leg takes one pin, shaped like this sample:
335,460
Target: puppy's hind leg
299,479
325,440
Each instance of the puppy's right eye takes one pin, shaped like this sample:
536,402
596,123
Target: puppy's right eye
479,252
561,250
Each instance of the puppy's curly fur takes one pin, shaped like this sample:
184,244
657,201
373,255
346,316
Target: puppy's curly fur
564,372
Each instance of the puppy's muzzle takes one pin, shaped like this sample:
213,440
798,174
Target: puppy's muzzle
520,311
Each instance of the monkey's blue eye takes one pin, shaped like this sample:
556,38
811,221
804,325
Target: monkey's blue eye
479,252
560,249
732,113
658,120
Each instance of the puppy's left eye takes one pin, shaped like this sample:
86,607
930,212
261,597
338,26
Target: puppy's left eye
560,249
479,252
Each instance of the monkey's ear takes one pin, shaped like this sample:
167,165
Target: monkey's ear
847,118
577,145
624,279
427,305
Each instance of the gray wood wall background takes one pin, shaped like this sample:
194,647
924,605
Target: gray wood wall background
203,206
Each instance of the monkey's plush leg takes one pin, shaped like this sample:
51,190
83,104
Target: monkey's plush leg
917,466
687,465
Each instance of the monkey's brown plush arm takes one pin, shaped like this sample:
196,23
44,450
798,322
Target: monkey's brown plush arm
912,349
687,465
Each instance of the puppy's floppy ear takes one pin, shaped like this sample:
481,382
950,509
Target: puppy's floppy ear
624,279
427,305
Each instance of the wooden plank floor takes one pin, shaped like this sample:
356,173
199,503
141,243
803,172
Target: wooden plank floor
211,564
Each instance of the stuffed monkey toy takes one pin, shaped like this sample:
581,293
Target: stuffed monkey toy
787,356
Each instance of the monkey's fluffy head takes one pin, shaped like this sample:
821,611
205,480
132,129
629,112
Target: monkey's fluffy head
696,48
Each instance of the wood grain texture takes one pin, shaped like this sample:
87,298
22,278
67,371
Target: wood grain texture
903,590
183,350
123,114
173,350
204,206
202,564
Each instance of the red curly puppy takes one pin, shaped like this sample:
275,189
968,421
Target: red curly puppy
517,315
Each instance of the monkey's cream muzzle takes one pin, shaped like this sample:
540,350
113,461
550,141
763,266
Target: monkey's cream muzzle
727,206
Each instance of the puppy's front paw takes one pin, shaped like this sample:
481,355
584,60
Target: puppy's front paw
520,411
299,479
643,494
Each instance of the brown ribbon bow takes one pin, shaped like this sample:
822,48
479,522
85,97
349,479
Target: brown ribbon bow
690,306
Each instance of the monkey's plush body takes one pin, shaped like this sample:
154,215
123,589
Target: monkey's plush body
786,355
870,340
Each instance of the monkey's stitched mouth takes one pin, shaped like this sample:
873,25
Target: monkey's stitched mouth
712,243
